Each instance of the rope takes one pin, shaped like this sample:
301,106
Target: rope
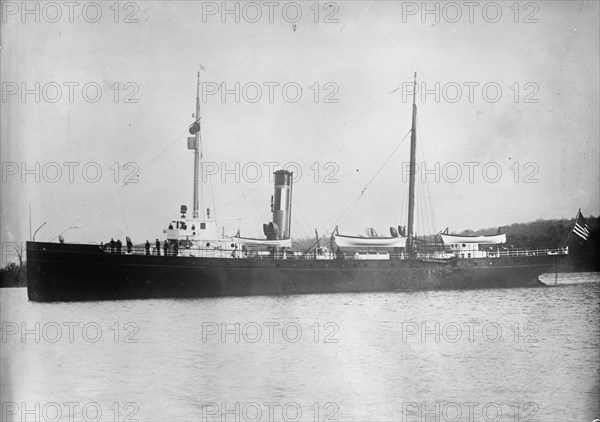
306,230
353,204
402,201
429,205
119,189
242,195
210,185
123,212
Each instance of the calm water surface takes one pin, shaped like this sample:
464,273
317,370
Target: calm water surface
505,355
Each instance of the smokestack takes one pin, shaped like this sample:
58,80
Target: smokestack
282,203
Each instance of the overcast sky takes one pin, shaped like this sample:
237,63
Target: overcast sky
517,88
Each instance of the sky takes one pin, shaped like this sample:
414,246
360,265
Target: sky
97,94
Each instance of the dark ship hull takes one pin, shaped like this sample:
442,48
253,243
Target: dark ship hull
73,272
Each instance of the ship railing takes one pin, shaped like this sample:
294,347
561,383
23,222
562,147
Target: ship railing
199,252
433,256
527,252
182,252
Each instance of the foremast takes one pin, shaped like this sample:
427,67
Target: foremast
412,173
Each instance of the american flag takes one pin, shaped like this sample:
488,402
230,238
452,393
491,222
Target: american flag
580,228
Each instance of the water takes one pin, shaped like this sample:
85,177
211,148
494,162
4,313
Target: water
506,355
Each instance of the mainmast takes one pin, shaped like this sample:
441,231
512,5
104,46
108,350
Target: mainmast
412,174
197,151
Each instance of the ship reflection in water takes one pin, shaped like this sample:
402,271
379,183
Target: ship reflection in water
369,356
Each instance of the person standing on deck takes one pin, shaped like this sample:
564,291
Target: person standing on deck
157,244
147,248
166,248
112,245
119,246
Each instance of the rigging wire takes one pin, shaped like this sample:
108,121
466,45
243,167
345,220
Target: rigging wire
242,195
418,222
350,208
427,190
212,194
307,226
213,205
201,199
426,227
86,216
422,208
403,197
424,223
80,222
123,212
211,188
157,156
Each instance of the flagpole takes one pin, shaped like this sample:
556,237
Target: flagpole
572,228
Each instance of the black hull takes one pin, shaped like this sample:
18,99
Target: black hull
70,272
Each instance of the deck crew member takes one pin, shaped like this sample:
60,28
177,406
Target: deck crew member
119,246
157,247
112,245
166,248
147,248
129,245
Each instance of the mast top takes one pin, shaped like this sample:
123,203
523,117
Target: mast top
415,90
198,96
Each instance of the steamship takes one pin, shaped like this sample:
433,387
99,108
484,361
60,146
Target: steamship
201,262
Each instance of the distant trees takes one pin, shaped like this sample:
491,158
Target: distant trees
540,233
13,275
